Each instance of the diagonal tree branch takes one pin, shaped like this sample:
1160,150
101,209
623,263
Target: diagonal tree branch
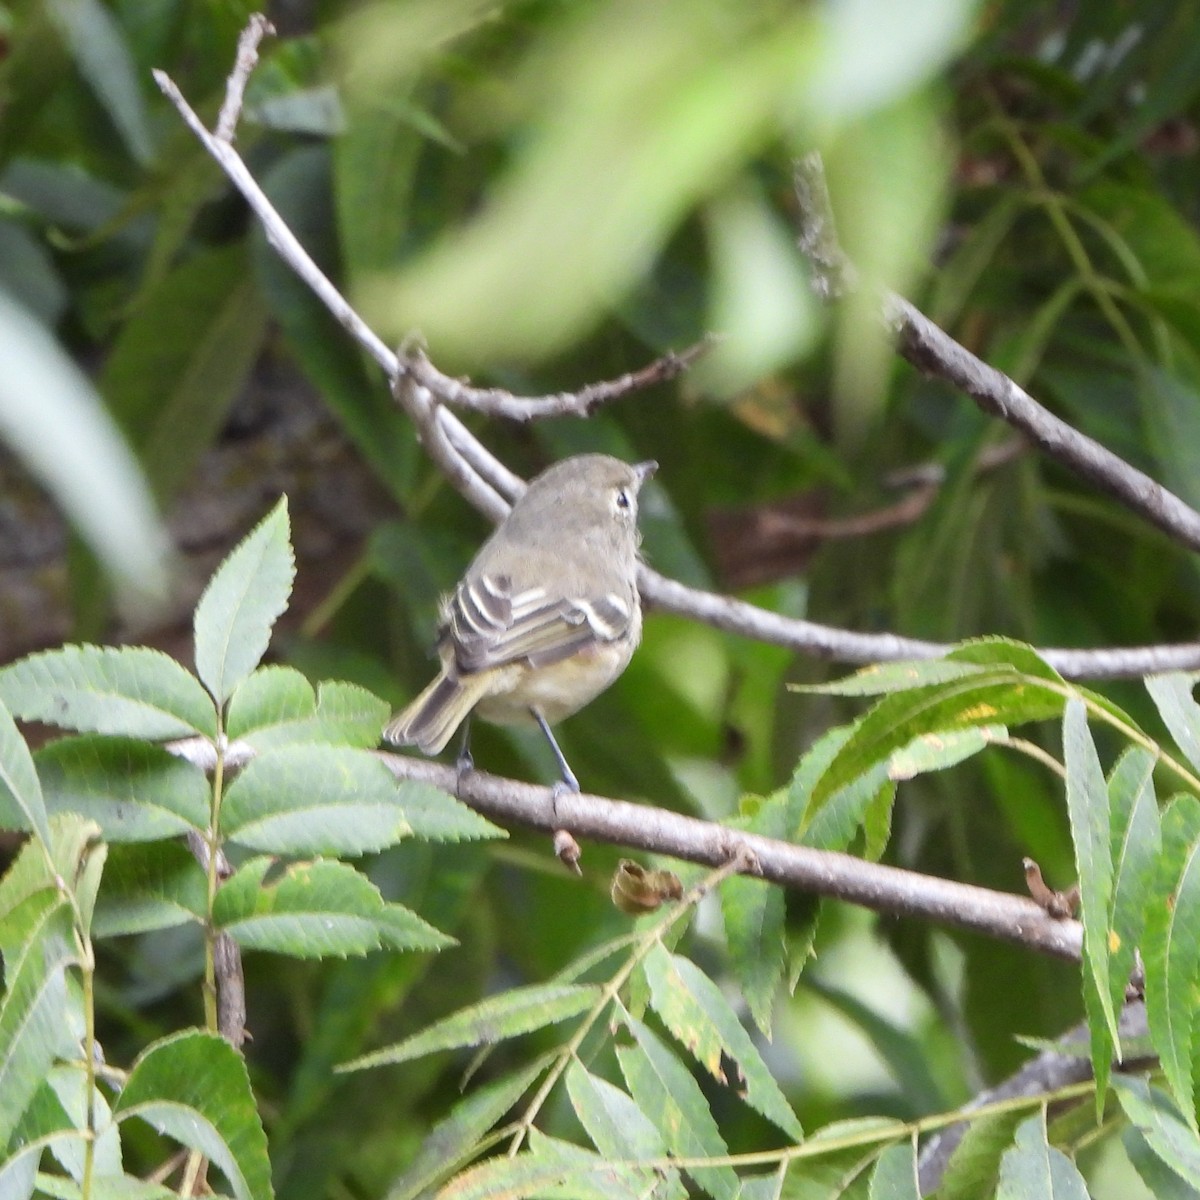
876,886
933,351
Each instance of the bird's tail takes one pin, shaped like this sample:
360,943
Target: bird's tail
430,720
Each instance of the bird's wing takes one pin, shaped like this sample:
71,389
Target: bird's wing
487,623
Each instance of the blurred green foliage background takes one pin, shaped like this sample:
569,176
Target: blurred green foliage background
552,193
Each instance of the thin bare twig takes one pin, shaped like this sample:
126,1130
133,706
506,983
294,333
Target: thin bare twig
497,402
931,350
235,87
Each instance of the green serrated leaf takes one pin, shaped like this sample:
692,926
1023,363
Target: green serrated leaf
66,1088
130,690
834,823
510,1014
150,887
22,805
1001,651
611,1118
315,910
133,790
938,751
754,912
591,1176
452,1141
1087,806
38,878
28,891
276,706
271,695
1172,696
1161,1182
542,1174
1171,949
974,1165
314,799
665,1090
1136,846
895,1174
884,678
33,1015
439,817
696,1012
193,1087
43,1125
1032,1167
241,604
1160,1123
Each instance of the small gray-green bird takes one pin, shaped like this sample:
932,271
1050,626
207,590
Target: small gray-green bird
548,614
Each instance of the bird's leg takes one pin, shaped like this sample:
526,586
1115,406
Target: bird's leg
464,764
565,846
568,782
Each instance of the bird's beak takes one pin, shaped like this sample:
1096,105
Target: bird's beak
644,470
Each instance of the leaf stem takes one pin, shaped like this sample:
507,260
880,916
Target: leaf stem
213,840
87,970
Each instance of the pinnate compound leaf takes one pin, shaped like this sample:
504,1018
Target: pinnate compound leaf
1172,696
276,706
1171,949
241,604
22,805
33,1014
129,691
1034,1168
193,1087
454,1139
1171,1138
696,1012
315,910
1087,806
510,1014
314,799
665,1090
135,791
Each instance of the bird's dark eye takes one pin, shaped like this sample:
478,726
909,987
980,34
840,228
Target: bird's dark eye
622,498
